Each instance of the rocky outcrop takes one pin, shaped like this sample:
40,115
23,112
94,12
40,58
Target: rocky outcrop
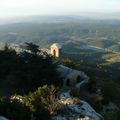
75,109
3,118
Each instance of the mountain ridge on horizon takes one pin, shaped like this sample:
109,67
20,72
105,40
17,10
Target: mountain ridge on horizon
62,18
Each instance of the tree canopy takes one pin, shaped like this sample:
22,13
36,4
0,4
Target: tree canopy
26,71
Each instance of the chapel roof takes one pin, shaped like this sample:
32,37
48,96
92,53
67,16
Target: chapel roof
56,45
63,70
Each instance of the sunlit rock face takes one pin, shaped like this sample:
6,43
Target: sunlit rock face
75,109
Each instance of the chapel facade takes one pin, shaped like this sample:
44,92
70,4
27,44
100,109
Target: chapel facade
55,50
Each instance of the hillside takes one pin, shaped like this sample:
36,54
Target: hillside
95,43
95,34
91,47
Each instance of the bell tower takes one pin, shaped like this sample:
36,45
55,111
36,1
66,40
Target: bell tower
55,50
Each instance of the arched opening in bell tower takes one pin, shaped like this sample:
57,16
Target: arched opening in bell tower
54,53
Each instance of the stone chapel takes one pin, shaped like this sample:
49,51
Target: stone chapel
55,50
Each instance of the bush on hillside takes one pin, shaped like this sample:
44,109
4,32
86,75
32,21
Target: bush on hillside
45,96
69,63
14,110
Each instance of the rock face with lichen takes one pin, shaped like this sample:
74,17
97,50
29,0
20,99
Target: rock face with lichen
75,109
3,118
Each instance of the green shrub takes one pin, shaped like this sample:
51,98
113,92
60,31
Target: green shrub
45,97
14,110
69,63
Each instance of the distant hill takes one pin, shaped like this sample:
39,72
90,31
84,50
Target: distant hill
93,44
83,18
57,30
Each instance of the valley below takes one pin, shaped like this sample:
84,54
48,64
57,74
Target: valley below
91,46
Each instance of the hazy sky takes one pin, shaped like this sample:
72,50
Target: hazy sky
10,8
